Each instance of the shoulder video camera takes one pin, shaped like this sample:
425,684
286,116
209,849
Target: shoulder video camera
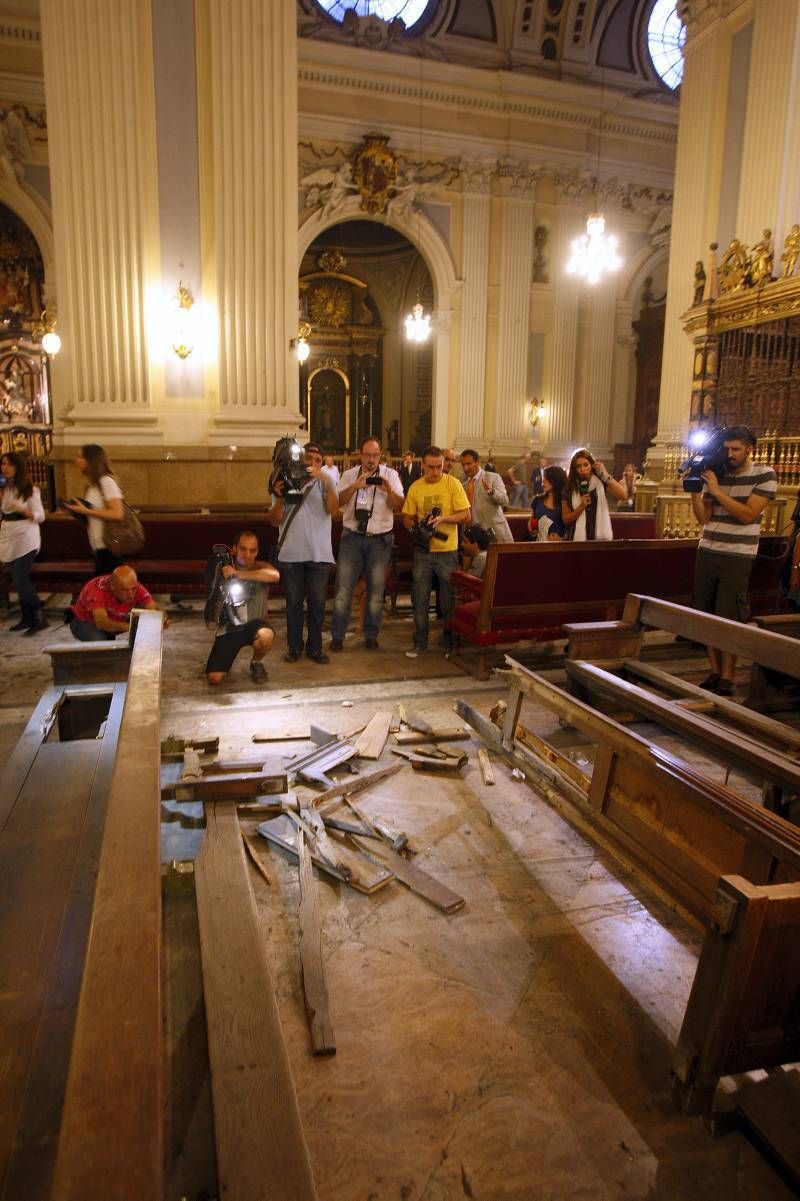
424,532
709,454
288,466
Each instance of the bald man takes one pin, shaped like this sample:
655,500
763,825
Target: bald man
103,607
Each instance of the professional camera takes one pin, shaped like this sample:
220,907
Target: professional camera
375,480
226,597
424,532
708,454
289,467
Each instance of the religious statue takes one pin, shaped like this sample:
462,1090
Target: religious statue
699,282
791,251
761,259
540,272
712,272
734,268
328,188
14,403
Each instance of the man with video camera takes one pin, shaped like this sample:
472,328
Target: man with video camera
237,607
369,497
735,492
302,507
434,508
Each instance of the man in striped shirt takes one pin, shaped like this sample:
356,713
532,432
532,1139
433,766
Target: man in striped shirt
729,509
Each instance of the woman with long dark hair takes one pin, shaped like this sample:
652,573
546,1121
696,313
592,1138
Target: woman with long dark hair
102,501
20,537
584,506
547,506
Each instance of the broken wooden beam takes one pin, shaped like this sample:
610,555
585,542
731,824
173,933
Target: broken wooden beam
485,764
413,737
315,987
372,739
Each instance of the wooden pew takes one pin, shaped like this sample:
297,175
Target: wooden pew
767,651
731,865
111,1140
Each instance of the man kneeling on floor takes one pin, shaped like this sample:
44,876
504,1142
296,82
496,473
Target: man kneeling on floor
104,605
242,615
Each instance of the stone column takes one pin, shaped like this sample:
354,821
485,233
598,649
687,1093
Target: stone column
622,393
598,402
476,214
560,419
768,165
695,211
253,99
517,187
98,65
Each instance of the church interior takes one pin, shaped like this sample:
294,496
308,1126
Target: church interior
552,950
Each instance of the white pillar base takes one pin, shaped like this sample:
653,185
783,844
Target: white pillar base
108,427
263,430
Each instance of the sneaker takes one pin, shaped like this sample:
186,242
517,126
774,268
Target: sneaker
320,657
371,644
725,688
336,644
710,682
257,673
292,656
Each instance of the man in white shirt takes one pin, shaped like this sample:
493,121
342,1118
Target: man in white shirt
369,497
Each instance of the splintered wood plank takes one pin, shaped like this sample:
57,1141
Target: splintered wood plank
261,1149
487,771
112,1142
253,852
414,878
372,740
412,737
363,875
315,988
323,801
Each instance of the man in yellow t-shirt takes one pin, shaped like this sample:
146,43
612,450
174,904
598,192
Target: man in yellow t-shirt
434,508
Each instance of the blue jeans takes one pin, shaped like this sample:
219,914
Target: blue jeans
426,565
87,631
359,555
305,583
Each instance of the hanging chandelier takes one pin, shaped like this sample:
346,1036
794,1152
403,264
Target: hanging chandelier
594,253
418,324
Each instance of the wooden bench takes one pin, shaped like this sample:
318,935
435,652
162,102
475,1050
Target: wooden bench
731,865
775,657
531,590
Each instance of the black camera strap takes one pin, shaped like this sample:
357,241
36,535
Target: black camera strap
295,510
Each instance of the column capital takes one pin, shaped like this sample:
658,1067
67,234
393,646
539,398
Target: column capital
476,176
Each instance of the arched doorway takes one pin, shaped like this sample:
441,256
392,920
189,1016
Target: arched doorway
358,280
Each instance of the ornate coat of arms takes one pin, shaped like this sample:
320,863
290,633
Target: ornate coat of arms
374,172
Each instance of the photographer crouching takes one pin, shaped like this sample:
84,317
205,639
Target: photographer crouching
236,607
434,507
729,494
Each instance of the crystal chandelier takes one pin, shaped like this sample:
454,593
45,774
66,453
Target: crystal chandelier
418,324
595,252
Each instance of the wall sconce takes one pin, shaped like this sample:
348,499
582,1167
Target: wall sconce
536,412
183,323
45,329
300,344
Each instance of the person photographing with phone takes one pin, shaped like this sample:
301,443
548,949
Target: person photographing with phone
584,506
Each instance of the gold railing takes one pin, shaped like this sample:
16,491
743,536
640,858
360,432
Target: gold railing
782,453
675,517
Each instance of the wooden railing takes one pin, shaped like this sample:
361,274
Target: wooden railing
782,453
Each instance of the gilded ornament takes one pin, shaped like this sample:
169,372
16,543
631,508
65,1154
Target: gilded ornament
374,172
329,305
332,260
734,268
761,259
791,251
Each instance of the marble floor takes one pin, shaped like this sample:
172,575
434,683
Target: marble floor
517,1050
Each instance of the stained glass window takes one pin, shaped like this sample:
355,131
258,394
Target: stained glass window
409,10
665,37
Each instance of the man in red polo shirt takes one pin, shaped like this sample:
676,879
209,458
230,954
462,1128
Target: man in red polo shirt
104,605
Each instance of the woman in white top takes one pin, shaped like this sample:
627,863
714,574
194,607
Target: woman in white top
102,501
584,506
20,538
